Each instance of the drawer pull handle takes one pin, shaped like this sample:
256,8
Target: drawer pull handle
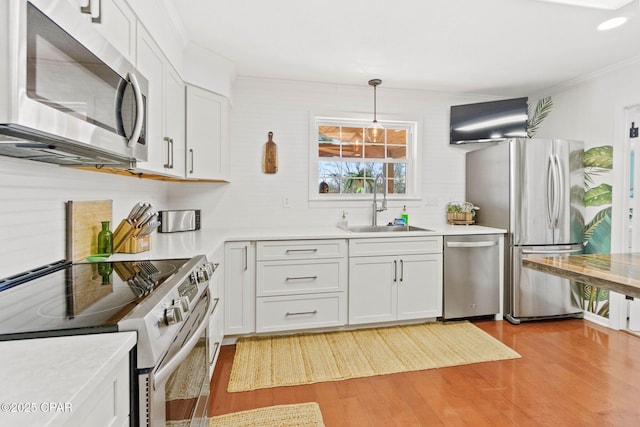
301,313
302,278
311,251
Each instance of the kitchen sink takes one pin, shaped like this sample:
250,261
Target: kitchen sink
382,228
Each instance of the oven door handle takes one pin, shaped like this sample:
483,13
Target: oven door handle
163,374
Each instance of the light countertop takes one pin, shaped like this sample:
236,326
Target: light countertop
62,371
209,241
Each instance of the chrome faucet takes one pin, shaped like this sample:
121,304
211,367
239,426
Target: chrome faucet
375,210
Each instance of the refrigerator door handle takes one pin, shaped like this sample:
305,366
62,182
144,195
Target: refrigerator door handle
551,203
543,252
559,193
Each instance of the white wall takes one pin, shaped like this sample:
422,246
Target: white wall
32,207
284,107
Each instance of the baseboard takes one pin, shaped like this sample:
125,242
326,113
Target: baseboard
602,321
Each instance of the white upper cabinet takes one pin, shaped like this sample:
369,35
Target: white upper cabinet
116,22
150,64
207,135
187,130
174,123
165,109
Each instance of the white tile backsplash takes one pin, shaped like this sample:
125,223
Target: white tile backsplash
32,207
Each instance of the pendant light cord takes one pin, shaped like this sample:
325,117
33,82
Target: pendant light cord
375,108
375,83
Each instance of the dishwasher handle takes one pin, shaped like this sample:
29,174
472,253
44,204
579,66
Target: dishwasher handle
481,244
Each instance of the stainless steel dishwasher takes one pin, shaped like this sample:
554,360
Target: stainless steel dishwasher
471,276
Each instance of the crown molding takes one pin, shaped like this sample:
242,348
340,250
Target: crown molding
587,77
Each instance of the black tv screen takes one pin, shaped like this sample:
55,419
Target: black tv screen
489,121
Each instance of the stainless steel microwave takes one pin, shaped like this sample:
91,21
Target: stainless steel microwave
67,96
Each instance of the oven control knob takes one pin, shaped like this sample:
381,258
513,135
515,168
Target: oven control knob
172,315
203,276
183,302
193,278
206,272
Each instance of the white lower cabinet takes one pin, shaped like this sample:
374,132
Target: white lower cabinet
239,288
109,402
215,329
288,285
301,284
395,285
293,312
216,334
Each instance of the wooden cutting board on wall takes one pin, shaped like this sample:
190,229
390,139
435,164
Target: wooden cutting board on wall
83,226
270,156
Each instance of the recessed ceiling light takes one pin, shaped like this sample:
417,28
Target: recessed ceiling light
597,4
612,23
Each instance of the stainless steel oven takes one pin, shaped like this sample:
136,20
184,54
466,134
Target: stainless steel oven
177,388
167,302
68,96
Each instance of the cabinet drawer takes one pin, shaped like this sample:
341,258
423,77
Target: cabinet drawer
300,312
301,277
395,246
301,249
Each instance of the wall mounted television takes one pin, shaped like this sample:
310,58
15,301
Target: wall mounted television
489,121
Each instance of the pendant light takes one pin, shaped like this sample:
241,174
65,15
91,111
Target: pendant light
375,132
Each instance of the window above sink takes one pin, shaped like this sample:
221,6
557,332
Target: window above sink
345,161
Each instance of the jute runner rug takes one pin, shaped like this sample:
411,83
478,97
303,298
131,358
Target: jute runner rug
295,415
263,362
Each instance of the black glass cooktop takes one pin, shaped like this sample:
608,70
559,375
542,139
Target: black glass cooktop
67,299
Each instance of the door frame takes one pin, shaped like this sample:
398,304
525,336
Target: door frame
621,240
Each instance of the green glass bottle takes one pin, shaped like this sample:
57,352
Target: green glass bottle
105,269
105,239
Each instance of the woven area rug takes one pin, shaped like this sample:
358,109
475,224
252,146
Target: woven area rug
300,414
294,415
263,362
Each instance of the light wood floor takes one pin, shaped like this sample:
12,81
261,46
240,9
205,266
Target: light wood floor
572,373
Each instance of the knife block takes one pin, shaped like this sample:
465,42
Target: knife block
134,245
126,240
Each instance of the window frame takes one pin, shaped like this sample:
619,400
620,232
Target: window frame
412,167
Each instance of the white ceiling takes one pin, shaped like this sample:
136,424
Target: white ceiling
502,47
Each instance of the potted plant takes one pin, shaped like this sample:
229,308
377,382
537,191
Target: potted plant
461,213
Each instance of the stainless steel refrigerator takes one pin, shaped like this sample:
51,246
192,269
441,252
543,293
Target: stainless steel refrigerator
534,189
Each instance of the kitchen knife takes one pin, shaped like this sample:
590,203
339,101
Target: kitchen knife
146,217
143,212
148,228
135,210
